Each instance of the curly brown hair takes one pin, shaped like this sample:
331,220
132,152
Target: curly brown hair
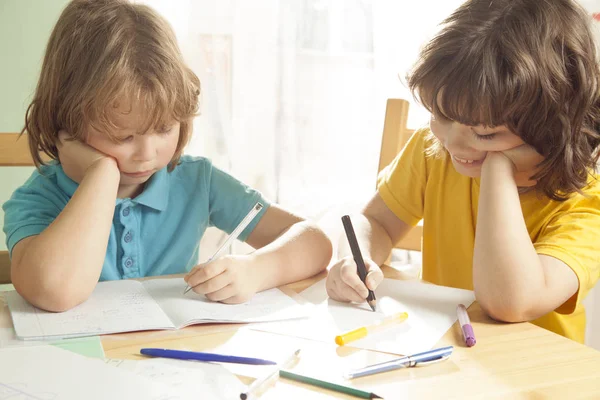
528,64
98,52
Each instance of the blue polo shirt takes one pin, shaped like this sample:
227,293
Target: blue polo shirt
156,233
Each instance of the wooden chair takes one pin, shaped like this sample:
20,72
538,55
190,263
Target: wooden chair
395,135
14,152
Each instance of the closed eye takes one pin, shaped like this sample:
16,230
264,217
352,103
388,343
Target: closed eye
125,139
165,129
483,137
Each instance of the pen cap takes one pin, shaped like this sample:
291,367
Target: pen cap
351,336
469,335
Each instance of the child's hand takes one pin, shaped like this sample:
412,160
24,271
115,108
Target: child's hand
229,279
76,157
344,284
524,160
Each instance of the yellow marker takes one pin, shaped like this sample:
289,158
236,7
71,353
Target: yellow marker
359,333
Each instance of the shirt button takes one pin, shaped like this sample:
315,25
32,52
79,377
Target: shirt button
128,262
126,211
128,237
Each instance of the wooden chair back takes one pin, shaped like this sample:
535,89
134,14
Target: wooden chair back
395,135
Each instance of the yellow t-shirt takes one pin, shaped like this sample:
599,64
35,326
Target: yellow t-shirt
419,186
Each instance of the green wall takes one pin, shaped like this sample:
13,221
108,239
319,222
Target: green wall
24,29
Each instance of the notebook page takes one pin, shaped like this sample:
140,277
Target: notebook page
431,312
114,306
49,373
192,308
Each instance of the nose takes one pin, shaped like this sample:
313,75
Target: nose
145,149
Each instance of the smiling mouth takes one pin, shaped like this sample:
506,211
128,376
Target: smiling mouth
467,161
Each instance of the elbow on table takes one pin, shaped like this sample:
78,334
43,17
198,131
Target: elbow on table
505,309
50,294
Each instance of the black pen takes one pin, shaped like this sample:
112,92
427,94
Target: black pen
361,269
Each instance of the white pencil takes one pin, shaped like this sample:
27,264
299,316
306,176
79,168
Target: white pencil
261,383
234,235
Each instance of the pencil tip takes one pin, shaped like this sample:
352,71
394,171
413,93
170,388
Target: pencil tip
187,289
373,305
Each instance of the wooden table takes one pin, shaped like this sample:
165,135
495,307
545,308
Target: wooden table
519,361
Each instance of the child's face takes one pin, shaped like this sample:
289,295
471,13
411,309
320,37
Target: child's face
139,154
468,145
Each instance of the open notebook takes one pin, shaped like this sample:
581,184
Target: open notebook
126,306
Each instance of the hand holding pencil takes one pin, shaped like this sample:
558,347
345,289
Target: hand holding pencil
354,278
227,279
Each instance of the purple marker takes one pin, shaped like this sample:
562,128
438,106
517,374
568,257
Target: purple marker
465,325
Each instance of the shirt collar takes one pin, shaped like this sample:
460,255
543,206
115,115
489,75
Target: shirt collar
155,194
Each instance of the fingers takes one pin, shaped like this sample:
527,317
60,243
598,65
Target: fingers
222,280
350,278
223,294
213,284
374,275
344,284
331,283
349,294
203,272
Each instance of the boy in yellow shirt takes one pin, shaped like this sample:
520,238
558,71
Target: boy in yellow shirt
503,177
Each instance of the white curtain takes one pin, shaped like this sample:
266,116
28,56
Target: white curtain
293,92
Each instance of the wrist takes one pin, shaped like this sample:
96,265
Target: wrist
497,165
105,164
255,272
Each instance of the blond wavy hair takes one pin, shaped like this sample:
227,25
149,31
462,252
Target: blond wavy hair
104,50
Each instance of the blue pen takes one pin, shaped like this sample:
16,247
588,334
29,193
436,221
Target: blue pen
208,357
427,357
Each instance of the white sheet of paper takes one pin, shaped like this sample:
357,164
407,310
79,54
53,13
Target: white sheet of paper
202,380
270,305
431,312
49,373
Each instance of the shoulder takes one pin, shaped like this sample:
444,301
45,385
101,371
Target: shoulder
422,138
589,196
42,180
422,156
579,209
41,192
192,168
200,175
423,147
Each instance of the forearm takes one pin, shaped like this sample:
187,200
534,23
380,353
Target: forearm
507,272
373,240
300,252
61,266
